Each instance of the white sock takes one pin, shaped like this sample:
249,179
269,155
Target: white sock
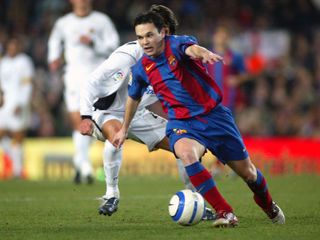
81,159
183,175
16,154
112,159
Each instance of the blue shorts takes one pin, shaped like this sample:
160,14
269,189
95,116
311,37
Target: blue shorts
216,131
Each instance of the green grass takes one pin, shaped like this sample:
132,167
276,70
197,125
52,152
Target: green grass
61,210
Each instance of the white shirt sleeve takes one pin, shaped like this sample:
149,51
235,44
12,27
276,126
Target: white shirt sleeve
108,40
25,89
55,42
106,80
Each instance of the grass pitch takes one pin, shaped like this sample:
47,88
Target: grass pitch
61,210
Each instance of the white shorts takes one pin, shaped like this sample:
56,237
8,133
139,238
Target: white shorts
146,127
12,122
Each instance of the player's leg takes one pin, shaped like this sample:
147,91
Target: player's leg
233,152
106,126
258,185
164,144
112,160
16,152
81,143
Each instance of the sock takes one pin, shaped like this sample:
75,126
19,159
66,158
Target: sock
112,159
16,157
205,185
81,159
184,176
261,193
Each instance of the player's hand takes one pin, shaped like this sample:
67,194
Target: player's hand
54,65
17,110
119,138
86,127
210,57
85,39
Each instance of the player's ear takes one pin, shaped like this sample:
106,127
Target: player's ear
163,32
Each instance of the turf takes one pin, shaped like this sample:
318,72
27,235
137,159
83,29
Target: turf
61,210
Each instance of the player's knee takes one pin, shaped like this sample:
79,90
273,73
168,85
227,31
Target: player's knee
250,174
187,156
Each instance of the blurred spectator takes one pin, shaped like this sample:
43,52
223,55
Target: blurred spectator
231,73
16,74
85,38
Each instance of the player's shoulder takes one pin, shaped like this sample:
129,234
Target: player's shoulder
24,58
131,48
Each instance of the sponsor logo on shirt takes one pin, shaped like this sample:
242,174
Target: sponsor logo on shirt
149,67
172,60
179,131
118,76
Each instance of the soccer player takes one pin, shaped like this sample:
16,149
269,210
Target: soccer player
87,37
16,74
174,66
108,84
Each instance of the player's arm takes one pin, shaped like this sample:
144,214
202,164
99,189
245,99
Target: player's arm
106,41
121,135
55,47
104,81
197,52
25,88
136,88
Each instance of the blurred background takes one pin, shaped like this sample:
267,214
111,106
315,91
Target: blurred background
277,105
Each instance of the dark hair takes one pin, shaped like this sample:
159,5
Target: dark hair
168,16
150,17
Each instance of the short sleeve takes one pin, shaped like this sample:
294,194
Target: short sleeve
136,86
184,42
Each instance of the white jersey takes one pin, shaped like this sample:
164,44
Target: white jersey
107,88
66,34
16,74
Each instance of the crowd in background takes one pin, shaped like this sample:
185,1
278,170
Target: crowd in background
279,39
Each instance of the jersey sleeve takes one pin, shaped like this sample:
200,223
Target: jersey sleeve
108,39
27,75
55,41
183,42
137,86
105,80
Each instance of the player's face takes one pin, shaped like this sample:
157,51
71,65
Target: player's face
150,39
81,3
12,47
221,37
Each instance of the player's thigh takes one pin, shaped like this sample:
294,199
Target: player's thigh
109,123
110,128
188,150
149,129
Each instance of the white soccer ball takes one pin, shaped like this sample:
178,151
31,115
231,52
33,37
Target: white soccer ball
187,207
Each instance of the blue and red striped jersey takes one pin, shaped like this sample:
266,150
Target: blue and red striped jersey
183,85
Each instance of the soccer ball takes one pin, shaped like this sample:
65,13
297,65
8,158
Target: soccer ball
187,207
